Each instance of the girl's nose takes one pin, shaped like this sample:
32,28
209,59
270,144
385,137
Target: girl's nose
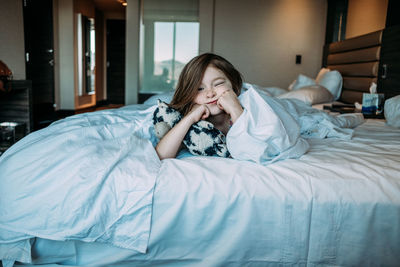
210,93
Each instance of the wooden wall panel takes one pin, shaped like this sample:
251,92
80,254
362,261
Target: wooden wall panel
357,59
369,69
350,97
367,40
359,55
358,83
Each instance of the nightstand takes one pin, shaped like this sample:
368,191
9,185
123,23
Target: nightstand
10,132
348,108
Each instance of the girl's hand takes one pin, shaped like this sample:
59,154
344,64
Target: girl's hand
198,112
229,102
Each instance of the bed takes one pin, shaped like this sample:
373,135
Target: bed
90,190
339,204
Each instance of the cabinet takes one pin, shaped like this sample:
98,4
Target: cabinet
16,105
389,65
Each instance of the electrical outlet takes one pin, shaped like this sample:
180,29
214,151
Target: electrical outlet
298,59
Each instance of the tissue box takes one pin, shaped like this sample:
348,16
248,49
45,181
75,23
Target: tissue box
372,103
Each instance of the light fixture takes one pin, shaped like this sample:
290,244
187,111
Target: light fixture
122,2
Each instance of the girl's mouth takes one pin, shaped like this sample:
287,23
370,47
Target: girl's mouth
213,102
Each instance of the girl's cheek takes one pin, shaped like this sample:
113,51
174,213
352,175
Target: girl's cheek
198,99
224,88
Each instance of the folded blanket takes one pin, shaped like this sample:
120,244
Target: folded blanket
272,129
265,132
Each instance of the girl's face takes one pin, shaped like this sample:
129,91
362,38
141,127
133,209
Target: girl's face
213,84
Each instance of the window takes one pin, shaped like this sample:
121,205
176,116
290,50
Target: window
175,43
170,38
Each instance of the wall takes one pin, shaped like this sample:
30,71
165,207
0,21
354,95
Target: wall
132,51
101,93
262,38
100,73
66,63
83,100
365,16
86,7
12,48
65,39
206,18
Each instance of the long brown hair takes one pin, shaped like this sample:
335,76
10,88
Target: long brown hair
192,75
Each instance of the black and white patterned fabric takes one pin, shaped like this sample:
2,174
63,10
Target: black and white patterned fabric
202,138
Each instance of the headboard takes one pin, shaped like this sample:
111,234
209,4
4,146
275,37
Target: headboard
357,59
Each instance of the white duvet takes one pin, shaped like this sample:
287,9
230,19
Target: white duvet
91,177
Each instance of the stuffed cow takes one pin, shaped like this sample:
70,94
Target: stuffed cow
202,138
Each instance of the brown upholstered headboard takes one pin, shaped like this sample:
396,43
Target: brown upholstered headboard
357,59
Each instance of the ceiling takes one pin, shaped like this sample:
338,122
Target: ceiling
109,5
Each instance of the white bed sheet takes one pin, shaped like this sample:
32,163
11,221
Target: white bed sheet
88,177
339,204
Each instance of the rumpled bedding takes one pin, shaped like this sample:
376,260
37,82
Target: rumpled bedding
91,177
272,129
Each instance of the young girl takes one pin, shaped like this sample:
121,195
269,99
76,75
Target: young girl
269,129
207,89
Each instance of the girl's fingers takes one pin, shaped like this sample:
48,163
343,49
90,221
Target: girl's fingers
219,104
206,113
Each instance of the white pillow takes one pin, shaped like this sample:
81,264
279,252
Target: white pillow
392,111
275,91
165,97
313,94
301,81
291,85
247,86
333,81
321,73
270,91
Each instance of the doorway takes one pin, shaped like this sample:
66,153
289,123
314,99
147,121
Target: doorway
115,61
39,59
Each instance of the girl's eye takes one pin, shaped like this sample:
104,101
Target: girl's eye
200,89
219,83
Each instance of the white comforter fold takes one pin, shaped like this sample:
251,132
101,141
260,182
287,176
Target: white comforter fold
272,129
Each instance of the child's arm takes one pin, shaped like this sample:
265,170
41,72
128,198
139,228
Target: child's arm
169,145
